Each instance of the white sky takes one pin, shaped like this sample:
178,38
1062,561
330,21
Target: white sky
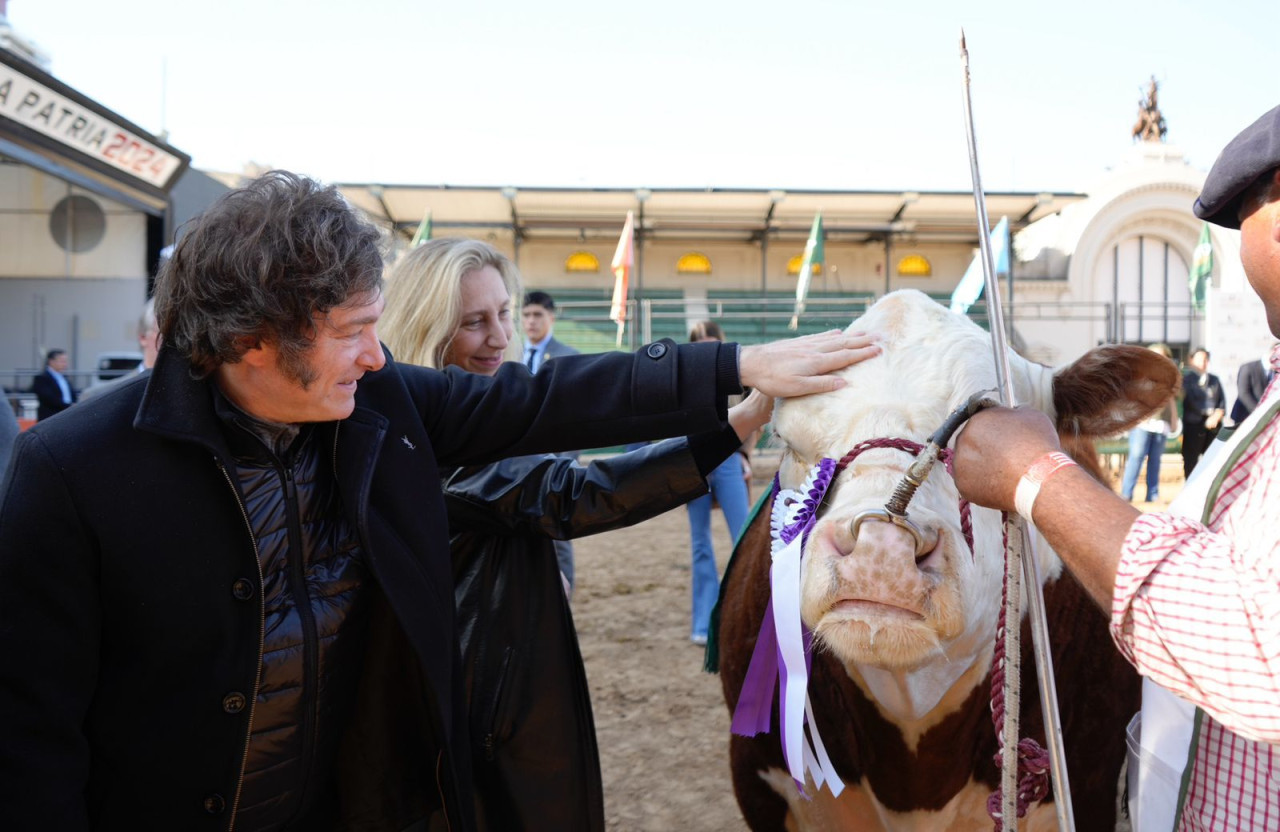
799,94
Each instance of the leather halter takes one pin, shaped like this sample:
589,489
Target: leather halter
883,515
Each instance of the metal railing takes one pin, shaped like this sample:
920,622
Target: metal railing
757,319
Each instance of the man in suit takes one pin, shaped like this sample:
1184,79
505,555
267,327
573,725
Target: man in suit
1251,381
51,387
1203,406
538,319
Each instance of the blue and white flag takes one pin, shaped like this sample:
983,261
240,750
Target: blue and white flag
970,287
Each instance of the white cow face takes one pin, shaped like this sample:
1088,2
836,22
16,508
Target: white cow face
873,600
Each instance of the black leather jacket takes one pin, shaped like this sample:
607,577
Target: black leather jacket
533,747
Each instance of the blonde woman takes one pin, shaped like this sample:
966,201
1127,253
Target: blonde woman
534,755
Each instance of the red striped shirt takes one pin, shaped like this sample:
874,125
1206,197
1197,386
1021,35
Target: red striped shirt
1197,610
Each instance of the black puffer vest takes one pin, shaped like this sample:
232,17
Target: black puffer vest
312,575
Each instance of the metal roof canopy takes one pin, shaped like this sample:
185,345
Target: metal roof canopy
729,214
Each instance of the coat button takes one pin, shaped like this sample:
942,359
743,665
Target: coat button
233,703
656,350
214,804
242,590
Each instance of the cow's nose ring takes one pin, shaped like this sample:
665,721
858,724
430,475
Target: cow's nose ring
887,517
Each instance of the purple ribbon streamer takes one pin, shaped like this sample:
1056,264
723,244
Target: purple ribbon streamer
753,714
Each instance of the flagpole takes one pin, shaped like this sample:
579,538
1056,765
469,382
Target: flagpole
1030,568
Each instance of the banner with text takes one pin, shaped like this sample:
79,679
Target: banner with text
38,107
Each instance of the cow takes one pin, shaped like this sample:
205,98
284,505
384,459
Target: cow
904,635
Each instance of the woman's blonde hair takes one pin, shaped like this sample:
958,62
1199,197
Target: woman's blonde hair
424,297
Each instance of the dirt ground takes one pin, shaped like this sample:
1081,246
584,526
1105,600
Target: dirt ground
661,721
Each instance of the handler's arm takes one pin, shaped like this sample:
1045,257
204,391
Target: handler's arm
1082,519
1184,601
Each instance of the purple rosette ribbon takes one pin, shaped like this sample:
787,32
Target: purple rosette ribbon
783,647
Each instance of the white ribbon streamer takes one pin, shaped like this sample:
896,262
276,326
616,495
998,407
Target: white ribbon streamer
785,582
803,753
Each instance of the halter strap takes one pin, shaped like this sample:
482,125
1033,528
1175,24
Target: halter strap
913,448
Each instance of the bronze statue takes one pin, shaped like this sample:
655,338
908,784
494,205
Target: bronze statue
1150,126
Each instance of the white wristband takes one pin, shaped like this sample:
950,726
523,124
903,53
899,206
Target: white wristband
1024,497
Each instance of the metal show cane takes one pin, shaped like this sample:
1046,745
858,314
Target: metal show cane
1030,568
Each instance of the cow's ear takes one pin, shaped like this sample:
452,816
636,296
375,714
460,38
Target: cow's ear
1112,388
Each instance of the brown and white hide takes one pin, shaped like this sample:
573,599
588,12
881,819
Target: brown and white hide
900,680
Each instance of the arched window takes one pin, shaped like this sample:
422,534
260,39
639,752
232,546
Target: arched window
582,261
793,266
1146,281
693,263
913,265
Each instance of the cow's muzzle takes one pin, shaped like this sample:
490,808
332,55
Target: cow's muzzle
922,546
895,511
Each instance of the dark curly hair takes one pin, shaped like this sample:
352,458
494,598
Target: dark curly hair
258,266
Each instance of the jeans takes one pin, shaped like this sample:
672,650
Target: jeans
1143,443
730,490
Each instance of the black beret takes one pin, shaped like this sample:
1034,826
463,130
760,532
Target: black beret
1248,156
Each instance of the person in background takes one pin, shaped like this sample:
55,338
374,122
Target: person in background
1251,382
148,342
535,760
728,483
538,320
51,387
1203,406
1147,441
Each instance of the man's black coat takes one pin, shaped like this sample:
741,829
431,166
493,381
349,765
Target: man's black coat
130,591
1251,383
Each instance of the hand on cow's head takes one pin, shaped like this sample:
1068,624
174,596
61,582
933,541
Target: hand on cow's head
803,366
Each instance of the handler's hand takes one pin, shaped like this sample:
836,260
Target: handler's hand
994,450
800,366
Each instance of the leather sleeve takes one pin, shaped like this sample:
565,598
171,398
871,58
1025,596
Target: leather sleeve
563,499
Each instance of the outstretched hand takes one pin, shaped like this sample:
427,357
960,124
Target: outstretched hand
801,366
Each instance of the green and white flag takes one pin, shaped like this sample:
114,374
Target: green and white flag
813,257
424,231
1201,268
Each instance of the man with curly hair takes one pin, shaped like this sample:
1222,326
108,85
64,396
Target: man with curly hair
225,589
